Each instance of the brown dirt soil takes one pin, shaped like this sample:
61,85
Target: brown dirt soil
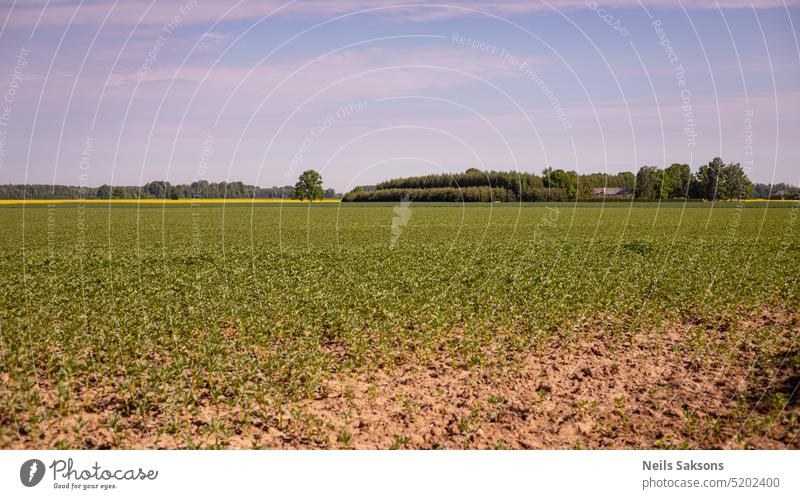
601,391
672,388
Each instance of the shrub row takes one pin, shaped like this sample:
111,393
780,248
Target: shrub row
454,194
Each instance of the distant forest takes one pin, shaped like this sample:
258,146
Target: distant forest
152,190
715,180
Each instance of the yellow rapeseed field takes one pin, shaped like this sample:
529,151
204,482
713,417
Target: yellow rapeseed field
155,201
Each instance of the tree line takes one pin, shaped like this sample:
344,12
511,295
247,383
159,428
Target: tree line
451,194
157,189
712,181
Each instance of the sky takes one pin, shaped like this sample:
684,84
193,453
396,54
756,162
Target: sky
122,93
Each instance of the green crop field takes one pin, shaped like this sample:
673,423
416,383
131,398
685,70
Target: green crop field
422,326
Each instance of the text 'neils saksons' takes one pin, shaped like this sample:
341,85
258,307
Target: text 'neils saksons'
664,465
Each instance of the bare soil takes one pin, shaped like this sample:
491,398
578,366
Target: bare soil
686,385
601,391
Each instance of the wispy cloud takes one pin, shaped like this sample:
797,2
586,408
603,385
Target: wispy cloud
213,40
339,77
29,13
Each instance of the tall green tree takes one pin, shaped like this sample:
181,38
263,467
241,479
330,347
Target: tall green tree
175,192
708,179
677,179
734,182
119,192
648,182
309,186
716,180
156,189
561,179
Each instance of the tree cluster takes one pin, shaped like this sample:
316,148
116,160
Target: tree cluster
775,191
452,194
157,189
715,180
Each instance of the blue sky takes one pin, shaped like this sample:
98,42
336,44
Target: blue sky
127,92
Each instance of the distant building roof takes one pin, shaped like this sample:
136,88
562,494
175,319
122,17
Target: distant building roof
612,191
